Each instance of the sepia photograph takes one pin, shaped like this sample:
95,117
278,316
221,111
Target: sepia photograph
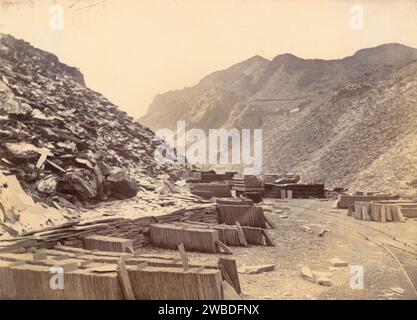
237,152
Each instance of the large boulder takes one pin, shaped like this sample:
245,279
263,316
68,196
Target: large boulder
121,186
48,184
80,182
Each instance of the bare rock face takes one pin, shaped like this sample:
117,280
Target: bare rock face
347,122
61,139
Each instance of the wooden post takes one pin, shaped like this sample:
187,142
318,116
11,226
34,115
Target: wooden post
228,268
124,280
268,240
130,250
225,275
241,235
223,247
229,293
43,156
271,224
183,256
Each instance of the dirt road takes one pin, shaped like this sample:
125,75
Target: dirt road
346,239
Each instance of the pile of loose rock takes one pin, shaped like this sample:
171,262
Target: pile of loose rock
64,142
19,213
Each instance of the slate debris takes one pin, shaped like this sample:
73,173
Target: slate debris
60,138
307,274
397,290
19,213
256,269
315,277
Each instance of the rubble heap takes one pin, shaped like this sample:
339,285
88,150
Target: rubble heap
64,141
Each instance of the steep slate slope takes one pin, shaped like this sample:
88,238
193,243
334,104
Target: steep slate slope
45,106
346,122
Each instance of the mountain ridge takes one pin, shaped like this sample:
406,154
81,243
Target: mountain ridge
297,102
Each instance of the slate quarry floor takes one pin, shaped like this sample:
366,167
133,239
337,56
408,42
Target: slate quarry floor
364,245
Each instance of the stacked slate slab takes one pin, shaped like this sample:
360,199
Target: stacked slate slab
136,230
204,237
294,190
209,190
94,276
194,239
104,243
229,234
33,282
346,201
245,215
408,208
385,211
234,201
248,183
156,283
211,176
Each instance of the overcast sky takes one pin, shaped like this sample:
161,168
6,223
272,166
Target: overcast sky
131,50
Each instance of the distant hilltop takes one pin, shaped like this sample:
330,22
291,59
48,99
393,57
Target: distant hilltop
346,122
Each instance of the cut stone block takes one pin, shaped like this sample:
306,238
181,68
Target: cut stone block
346,201
336,262
154,283
324,281
252,216
33,282
194,239
104,243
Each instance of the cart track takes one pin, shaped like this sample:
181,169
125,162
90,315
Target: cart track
391,237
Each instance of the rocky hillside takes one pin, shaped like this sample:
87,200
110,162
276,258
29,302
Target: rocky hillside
349,122
65,142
